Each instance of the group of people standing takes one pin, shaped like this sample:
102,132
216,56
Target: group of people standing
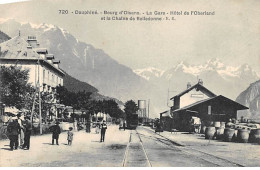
19,132
56,130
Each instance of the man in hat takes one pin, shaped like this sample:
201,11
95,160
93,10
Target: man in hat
55,132
13,129
103,128
27,132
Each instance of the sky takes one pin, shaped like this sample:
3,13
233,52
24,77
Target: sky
232,34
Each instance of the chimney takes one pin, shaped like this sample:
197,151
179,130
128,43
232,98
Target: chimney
32,41
188,85
56,63
200,82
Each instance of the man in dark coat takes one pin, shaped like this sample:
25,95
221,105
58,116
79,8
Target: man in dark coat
124,124
103,128
13,129
27,135
55,133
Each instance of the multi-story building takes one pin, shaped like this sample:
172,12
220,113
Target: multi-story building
42,66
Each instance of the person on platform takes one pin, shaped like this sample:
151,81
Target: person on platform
27,133
88,124
124,125
97,127
70,136
21,135
103,128
55,132
13,130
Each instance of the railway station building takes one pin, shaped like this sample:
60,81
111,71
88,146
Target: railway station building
199,102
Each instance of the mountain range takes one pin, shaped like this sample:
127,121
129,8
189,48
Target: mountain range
251,98
217,76
93,66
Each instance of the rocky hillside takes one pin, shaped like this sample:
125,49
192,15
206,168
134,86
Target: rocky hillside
3,37
75,85
251,98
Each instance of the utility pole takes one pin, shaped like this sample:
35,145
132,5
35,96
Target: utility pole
148,108
33,107
39,91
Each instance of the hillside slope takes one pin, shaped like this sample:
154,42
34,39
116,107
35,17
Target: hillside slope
251,98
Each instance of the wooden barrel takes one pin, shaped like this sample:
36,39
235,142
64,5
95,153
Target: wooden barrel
203,130
228,134
210,132
219,132
243,135
216,124
235,135
254,136
251,138
257,136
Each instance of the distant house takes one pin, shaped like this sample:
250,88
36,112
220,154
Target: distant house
200,102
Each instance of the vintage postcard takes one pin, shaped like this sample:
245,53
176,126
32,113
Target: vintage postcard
112,83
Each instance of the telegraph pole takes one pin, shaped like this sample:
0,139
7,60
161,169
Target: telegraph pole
39,91
148,108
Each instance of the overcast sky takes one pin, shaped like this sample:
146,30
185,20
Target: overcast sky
232,34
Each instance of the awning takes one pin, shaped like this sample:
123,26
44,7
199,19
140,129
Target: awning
11,110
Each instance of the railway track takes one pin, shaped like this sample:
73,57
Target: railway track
213,159
135,153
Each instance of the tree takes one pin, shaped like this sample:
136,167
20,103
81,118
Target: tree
14,87
112,108
130,107
76,100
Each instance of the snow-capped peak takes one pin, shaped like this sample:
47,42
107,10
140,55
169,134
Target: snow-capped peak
215,64
148,72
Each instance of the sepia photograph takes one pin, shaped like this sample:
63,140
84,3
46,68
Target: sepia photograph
113,83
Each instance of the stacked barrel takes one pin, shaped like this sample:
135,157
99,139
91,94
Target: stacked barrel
231,132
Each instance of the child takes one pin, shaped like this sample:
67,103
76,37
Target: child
97,127
70,136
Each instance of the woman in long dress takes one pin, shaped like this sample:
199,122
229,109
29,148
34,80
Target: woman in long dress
97,128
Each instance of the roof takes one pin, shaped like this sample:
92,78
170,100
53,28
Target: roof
166,113
16,49
196,86
215,99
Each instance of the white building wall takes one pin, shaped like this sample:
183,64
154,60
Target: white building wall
192,97
43,75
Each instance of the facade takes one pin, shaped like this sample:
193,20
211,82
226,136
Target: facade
42,66
199,102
